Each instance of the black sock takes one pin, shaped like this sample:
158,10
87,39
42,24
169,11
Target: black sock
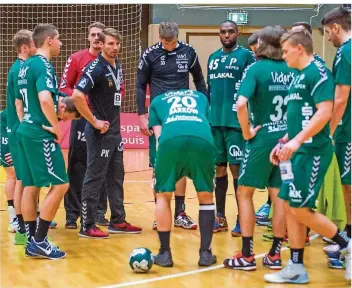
297,255
31,226
247,246
155,200
220,193
235,187
179,205
42,231
10,203
164,238
276,247
206,222
22,228
348,230
269,200
341,239
308,230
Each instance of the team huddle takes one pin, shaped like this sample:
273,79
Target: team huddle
276,116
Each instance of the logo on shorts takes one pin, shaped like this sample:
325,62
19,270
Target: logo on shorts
295,194
235,151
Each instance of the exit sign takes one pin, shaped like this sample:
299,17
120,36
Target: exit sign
240,18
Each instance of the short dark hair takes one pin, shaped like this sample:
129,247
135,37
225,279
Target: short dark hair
71,107
168,30
232,22
253,39
306,26
22,37
96,25
269,45
302,37
43,31
110,32
340,15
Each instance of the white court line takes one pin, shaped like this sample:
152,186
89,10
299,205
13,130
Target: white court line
126,284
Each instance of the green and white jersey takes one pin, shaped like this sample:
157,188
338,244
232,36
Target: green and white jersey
181,113
36,75
4,126
265,85
12,94
311,86
342,75
225,71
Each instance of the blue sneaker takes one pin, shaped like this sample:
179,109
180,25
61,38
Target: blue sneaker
333,255
263,211
236,231
53,225
336,264
263,221
44,249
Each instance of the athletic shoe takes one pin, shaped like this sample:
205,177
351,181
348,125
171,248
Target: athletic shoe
220,223
44,249
331,248
206,258
20,239
292,273
185,222
154,226
53,225
124,228
93,232
334,255
102,221
239,262
163,259
71,224
13,225
336,264
263,221
347,253
272,262
263,211
236,231
268,237
269,227
328,241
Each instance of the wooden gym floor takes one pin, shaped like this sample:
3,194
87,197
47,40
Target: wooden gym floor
104,263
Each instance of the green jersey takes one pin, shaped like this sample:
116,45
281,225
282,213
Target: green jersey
225,70
36,75
181,113
311,86
318,58
4,126
12,94
342,75
265,85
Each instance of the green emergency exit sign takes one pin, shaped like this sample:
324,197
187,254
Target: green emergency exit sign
240,18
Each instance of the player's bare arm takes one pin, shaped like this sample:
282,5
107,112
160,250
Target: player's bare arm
342,92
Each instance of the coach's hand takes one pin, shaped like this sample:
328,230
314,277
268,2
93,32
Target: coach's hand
54,130
143,125
274,155
101,125
8,158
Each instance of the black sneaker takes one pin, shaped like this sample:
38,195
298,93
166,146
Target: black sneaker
71,224
206,258
102,221
163,259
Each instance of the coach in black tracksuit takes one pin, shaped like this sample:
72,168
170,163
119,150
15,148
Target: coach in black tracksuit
102,81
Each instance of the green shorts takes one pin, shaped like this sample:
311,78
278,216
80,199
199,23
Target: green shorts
41,162
181,156
257,170
229,144
152,150
309,172
4,149
13,144
343,154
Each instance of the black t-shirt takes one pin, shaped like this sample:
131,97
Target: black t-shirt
102,83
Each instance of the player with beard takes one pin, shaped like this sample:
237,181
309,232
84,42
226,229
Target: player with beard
77,155
225,70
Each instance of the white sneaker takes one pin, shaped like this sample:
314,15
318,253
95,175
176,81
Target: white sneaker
13,226
347,253
292,273
331,248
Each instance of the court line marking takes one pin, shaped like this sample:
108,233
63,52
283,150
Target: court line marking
144,281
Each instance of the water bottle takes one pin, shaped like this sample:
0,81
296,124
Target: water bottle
286,169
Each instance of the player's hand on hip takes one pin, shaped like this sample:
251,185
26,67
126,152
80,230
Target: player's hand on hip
54,130
288,149
8,158
274,155
101,125
143,125
252,132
